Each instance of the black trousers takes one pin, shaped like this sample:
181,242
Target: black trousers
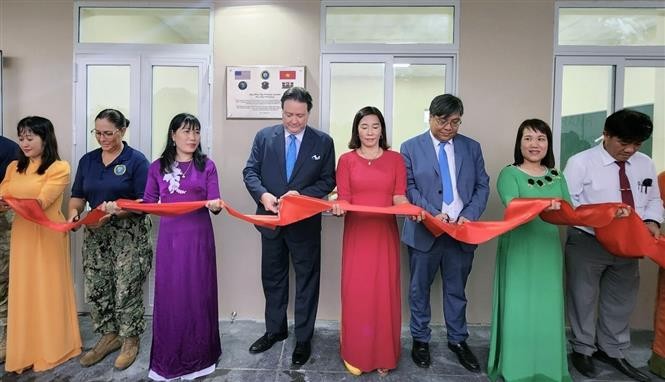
306,257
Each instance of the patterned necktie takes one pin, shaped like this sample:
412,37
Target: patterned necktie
446,182
624,185
290,156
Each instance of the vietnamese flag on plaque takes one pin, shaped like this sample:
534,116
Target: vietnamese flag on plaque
287,74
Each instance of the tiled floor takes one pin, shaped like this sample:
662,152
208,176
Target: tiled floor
237,364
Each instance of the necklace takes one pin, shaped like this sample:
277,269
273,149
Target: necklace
370,159
185,172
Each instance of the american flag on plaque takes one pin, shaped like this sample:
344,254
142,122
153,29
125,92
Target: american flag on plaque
255,91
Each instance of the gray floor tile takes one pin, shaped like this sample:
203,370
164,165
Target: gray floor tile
235,375
325,365
236,339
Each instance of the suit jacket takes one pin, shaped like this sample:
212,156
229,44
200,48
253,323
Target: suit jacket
423,184
313,174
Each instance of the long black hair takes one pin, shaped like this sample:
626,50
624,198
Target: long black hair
181,121
541,127
43,128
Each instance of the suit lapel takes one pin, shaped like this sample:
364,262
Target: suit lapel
427,148
306,147
279,146
460,149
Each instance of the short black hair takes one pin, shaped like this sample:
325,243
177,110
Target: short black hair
115,117
43,128
541,127
297,94
354,143
629,126
446,104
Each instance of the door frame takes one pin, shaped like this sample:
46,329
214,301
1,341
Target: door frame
140,114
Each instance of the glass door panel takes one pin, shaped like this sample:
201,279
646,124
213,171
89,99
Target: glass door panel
175,89
644,90
108,86
586,100
352,87
415,87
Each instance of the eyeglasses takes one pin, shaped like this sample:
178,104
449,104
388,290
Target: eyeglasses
106,134
441,122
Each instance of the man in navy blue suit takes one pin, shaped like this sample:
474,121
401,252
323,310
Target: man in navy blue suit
291,158
445,176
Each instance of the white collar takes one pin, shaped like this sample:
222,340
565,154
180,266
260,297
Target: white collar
436,142
298,136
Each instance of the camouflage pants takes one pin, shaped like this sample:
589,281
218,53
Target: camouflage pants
116,260
5,232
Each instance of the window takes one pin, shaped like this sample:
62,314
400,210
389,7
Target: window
394,57
608,59
144,25
389,25
612,26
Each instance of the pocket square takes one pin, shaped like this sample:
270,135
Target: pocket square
316,157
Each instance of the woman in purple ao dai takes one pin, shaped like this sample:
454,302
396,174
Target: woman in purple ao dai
185,334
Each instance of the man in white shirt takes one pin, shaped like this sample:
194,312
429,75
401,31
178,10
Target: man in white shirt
613,171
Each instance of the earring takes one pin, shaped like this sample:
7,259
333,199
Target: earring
173,144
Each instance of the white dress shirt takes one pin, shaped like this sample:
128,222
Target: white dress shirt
298,136
455,207
593,177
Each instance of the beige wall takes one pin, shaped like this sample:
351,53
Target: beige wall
36,38
505,76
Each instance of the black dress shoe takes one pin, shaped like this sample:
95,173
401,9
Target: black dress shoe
420,354
266,341
584,364
622,365
465,356
301,353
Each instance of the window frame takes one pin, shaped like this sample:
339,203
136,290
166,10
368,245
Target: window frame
102,48
390,48
189,52
598,50
388,54
619,57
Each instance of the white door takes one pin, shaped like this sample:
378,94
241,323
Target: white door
149,90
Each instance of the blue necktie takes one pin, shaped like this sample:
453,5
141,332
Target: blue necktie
446,182
291,154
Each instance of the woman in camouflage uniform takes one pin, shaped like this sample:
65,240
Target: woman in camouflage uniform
117,253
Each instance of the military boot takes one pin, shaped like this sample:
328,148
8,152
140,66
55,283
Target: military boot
3,342
3,351
109,343
128,353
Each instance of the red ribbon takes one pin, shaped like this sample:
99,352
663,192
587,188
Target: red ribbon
626,237
31,210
